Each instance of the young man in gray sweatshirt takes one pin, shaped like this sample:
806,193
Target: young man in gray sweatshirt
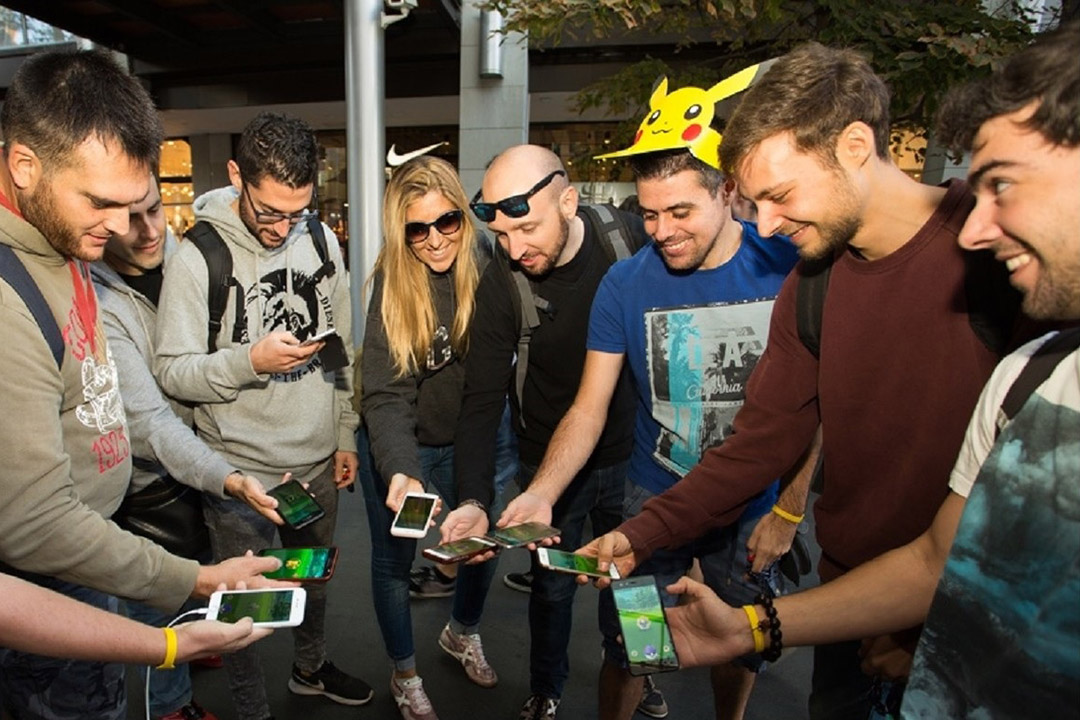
262,400
128,282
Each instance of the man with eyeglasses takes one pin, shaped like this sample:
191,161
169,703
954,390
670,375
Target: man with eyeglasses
264,400
530,206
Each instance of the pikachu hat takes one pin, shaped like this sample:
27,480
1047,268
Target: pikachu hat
682,119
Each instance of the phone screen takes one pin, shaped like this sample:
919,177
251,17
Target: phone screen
295,505
523,534
458,548
644,628
584,564
300,563
262,607
414,514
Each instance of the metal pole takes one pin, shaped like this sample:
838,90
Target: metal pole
365,140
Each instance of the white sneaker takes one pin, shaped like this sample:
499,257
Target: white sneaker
411,699
469,651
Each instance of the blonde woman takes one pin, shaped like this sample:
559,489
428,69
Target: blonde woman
423,289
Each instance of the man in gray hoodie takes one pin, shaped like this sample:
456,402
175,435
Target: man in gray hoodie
263,401
128,282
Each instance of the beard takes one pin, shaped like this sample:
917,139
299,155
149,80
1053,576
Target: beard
556,252
1056,296
39,209
840,228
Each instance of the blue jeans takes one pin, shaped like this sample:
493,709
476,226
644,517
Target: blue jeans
392,557
170,690
34,687
722,554
596,494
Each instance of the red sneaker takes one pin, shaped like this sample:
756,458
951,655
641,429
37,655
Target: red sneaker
212,662
191,711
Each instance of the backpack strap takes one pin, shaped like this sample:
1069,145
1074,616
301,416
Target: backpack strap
810,302
219,277
1038,368
616,237
15,274
318,238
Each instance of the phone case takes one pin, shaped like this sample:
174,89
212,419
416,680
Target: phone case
284,574
419,529
282,493
437,555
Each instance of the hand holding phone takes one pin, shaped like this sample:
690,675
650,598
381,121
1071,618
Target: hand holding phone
315,564
565,562
296,506
523,534
279,607
414,516
459,550
646,637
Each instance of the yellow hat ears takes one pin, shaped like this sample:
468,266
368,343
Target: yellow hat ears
682,119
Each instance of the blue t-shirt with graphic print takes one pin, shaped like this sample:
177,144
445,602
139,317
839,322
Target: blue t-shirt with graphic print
691,341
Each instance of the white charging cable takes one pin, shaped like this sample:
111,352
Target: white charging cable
149,668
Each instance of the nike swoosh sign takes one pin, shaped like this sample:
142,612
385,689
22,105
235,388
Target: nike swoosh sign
394,160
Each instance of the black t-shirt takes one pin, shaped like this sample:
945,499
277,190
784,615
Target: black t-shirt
556,360
149,284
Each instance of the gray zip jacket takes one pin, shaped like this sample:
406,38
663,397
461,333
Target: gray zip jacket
162,442
262,424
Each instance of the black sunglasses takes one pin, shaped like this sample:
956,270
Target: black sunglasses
273,218
447,224
514,206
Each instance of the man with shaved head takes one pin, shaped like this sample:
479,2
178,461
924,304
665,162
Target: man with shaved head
543,238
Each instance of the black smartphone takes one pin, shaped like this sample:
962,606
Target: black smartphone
459,550
646,637
520,535
296,506
314,564
333,356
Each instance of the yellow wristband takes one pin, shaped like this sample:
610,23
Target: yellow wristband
755,627
170,649
795,519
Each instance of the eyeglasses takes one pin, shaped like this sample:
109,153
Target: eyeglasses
514,206
447,224
273,218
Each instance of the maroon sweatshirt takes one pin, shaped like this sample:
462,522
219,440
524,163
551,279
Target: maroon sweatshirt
899,374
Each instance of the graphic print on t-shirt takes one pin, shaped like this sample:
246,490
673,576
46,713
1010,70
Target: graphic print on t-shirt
699,359
1002,634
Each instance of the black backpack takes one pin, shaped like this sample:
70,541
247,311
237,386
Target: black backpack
220,278
617,239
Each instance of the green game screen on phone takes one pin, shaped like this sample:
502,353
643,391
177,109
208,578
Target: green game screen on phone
299,563
269,606
414,513
644,629
572,561
294,503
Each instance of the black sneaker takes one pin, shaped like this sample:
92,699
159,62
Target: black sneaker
332,683
652,701
428,582
522,582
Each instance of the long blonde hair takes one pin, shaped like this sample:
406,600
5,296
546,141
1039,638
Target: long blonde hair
409,315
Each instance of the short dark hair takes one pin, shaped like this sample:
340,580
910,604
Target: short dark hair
1047,72
59,99
666,163
278,146
813,92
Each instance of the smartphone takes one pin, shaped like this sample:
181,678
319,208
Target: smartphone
414,515
646,637
296,506
309,564
333,356
520,535
280,607
319,337
562,561
459,550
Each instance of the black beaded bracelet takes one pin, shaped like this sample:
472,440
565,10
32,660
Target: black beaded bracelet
474,503
771,653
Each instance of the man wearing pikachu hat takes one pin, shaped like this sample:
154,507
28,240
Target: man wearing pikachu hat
688,315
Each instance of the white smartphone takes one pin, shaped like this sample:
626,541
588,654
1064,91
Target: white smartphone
565,562
414,515
318,337
278,607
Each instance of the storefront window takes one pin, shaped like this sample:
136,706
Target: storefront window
177,190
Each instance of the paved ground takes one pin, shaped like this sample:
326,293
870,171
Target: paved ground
356,646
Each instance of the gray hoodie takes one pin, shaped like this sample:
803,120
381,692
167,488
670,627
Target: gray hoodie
162,442
263,424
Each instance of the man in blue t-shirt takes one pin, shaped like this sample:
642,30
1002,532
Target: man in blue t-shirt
689,313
